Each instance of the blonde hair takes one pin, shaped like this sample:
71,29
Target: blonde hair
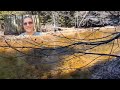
27,16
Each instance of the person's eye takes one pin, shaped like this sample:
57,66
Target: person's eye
25,23
30,22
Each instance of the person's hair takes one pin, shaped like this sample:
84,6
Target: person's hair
27,16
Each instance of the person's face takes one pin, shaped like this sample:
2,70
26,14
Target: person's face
28,25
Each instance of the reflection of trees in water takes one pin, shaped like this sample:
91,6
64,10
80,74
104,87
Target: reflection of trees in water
49,58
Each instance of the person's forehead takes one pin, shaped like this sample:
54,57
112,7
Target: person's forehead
27,19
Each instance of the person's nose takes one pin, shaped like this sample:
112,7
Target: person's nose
28,24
